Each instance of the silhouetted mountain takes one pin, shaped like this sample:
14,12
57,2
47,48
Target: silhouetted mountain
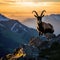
14,26
12,34
3,18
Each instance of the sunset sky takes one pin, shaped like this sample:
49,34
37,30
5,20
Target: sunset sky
21,9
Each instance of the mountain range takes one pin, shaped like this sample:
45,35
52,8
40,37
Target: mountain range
13,33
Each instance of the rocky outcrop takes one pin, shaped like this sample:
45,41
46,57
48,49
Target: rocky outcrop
18,53
39,48
49,48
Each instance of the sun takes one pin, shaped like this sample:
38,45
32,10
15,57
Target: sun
45,4
24,3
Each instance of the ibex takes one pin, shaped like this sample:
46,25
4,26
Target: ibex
43,27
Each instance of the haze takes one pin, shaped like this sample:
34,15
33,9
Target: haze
21,9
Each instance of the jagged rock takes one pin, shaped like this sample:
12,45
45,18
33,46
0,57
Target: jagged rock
30,51
47,49
25,51
50,36
58,38
14,56
43,38
37,42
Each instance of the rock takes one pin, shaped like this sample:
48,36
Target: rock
39,43
25,52
43,47
58,38
50,36
14,56
35,41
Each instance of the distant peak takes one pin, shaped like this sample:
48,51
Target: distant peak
3,17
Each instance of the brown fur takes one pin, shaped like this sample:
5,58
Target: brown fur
43,27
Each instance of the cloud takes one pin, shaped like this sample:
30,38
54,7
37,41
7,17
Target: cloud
30,1
30,22
6,1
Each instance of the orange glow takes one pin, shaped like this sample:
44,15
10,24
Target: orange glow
24,9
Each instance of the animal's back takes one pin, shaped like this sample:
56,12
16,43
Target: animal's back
48,28
47,25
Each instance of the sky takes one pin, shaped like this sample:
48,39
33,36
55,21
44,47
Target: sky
30,0
22,9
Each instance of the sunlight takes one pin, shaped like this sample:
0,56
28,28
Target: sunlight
45,4
32,3
24,3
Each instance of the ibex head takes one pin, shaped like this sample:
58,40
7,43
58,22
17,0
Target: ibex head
39,17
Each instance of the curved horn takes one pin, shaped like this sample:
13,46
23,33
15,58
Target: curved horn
35,13
42,12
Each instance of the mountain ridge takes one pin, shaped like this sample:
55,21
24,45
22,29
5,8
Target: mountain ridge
15,33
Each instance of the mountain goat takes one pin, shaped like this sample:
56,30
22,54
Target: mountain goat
42,27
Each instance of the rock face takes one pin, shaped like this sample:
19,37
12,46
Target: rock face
35,42
14,33
24,51
3,18
47,48
37,49
50,36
